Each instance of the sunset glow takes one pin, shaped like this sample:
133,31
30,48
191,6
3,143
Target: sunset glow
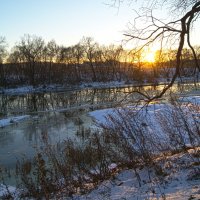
149,57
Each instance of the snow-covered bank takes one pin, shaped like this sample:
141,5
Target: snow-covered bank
156,121
100,116
190,99
7,190
31,89
13,120
60,88
181,181
180,178
95,85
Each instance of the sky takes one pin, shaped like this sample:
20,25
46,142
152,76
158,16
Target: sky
65,21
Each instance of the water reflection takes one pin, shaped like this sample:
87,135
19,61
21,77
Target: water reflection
33,103
5,139
25,138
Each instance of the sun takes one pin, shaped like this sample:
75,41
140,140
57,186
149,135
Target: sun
149,57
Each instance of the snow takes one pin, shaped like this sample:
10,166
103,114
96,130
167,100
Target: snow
100,115
191,99
67,87
13,120
179,183
31,89
176,185
57,87
5,190
107,84
150,118
182,181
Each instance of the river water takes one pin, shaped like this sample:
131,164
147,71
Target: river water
60,115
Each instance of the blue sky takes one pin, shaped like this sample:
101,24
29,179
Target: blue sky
66,21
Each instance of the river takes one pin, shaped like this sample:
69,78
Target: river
60,115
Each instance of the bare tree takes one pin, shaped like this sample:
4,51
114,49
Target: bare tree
31,49
68,57
2,56
112,55
78,53
176,33
136,56
90,47
51,52
2,49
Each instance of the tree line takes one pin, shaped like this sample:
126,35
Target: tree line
34,62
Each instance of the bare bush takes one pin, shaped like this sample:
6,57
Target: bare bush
68,167
181,125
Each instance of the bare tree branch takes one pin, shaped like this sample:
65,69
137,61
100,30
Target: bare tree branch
156,30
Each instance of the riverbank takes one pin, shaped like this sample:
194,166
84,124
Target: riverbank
152,113
180,181
174,174
12,120
96,85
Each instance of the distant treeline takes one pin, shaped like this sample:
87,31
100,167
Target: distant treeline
34,62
